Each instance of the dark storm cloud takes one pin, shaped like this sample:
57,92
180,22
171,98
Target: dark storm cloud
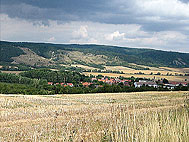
103,11
64,10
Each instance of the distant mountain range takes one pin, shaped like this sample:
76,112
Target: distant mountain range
46,54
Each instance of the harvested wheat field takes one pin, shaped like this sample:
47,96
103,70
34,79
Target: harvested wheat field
118,117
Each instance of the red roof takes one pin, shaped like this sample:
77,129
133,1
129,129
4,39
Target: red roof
86,83
93,79
70,84
175,83
101,80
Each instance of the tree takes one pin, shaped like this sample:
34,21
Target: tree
165,81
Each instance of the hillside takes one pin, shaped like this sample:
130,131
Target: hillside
46,54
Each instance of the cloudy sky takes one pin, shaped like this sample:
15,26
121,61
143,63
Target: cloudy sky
157,24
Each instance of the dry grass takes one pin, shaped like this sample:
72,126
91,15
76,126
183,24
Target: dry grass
31,58
147,116
14,72
75,56
184,70
132,72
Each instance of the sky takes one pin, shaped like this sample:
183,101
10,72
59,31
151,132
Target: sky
155,24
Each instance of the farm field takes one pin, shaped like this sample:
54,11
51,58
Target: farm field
128,72
13,72
185,70
170,78
142,116
154,70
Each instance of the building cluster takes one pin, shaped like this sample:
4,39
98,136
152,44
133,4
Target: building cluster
170,85
112,81
62,84
125,82
109,81
145,83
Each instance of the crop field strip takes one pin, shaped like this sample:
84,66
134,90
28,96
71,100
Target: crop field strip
90,117
170,78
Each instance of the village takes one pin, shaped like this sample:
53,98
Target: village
99,82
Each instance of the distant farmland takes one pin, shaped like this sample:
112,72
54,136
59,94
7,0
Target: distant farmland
14,72
170,78
146,116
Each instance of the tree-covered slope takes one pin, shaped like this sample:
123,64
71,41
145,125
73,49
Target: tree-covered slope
92,54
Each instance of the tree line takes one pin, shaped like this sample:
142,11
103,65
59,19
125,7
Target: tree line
56,76
35,82
10,88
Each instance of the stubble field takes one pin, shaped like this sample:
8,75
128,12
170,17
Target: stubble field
139,117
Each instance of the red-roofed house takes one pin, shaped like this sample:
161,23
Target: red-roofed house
50,83
178,83
70,84
103,80
86,84
93,79
126,84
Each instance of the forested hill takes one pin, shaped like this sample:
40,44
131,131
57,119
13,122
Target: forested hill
45,54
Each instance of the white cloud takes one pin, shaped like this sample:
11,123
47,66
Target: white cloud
81,33
128,35
166,40
115,36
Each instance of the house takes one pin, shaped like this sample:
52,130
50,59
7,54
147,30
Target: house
110,82
117,80
179,83
97,86
127,80
86,84
169,86
103,80
145,83
93,79
70,84
172,85
50,83
126,83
